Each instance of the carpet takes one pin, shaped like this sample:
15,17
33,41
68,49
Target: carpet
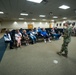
3,47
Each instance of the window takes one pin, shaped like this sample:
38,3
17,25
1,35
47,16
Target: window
57,24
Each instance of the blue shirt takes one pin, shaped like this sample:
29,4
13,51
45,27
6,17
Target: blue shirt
44,33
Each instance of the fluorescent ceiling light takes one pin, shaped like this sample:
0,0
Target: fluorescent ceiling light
33,19
36,1
64,7
52,20
44,19
41,15
21,18
1,12
64,17
24,14
55,17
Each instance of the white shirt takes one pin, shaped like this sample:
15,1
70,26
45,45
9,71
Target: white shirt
17,35
7,37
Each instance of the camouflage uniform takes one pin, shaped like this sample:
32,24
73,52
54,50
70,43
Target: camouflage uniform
66,39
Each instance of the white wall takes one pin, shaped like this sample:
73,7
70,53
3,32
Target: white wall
22,24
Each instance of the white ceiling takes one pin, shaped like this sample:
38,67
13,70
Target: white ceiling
13,8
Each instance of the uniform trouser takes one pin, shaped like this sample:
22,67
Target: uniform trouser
65,47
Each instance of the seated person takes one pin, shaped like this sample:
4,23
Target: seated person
7,39
12,33
32,36
54,34
56,30
39,30
18,37
45,35
35,31
25,37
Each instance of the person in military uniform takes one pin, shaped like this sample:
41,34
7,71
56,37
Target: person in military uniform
66,39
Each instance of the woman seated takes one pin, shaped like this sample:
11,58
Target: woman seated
25,37
45,35
18,37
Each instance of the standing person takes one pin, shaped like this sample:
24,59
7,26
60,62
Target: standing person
66,39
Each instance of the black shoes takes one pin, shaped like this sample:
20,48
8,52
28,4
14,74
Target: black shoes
60,54
65,55
11,48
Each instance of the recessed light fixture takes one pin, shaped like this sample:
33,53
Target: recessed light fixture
25,22
36,1
46,23
1,12
24,14
55,17
33,19
41,15
64,21
64,7
40,22
64,17
15,22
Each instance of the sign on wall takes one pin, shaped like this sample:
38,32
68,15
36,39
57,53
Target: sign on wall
50,26
30,26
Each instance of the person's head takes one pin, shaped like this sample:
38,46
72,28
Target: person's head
7,31
24,31
34,28
43,29
38,27
53,28
17,30
67,23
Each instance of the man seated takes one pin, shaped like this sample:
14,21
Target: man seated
7,39
35,31
45,35
56,34
32,36
25,37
